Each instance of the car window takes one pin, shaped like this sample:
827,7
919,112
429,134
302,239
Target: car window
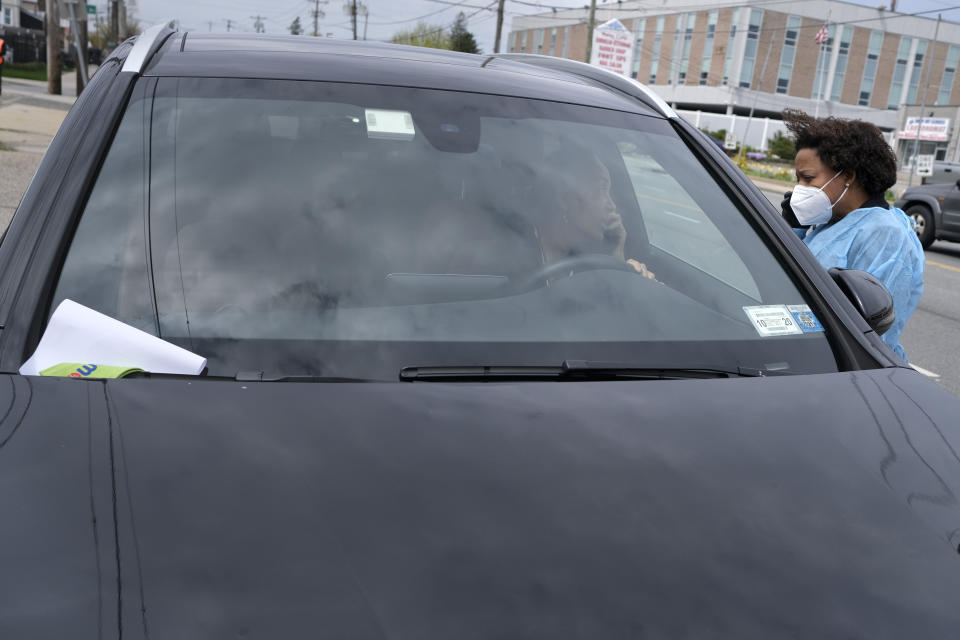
325,228
107,266
679,226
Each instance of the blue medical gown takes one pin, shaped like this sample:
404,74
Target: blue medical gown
881,242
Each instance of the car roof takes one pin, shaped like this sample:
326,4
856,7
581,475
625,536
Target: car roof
194,54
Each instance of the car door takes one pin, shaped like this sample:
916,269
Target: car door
950,205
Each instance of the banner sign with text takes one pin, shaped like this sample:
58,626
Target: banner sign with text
612,47
937,129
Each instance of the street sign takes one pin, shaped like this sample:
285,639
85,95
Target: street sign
92,9
612,47
730,141
925,165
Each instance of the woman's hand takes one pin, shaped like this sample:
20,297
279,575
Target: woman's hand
642,270
615,235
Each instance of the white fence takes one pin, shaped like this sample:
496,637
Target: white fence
755,132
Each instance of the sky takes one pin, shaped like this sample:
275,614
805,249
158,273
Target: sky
386,17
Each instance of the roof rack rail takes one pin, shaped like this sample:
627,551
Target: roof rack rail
608,78
145,44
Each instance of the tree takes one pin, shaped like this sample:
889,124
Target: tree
782,146
423,35
296,29
101,36
719,134
460,38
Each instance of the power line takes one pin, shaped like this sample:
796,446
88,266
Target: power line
426,15
467,17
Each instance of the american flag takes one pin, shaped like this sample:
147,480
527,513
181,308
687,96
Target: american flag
823,35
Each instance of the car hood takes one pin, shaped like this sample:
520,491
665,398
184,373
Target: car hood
821,505
934,190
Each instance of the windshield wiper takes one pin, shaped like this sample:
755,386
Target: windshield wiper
246,376
570,370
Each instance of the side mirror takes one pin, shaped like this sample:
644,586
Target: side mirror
868,295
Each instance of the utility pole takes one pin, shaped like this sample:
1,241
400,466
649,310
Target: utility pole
80,42
317,14
496,41
928,60
229,24
366,16
114,21
763,72
350,8
258,23
122,22
590,24
54,86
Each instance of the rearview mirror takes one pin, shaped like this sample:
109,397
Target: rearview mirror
868,295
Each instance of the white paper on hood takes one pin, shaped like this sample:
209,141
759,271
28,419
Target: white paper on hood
77,333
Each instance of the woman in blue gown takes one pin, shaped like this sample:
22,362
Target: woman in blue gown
844,168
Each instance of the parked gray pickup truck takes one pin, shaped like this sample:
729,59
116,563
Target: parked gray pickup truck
936,210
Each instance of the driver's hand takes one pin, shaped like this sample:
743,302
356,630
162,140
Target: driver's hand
615,235
642,270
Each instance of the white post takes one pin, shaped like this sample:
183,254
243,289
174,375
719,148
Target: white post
820,73
696,122
766,127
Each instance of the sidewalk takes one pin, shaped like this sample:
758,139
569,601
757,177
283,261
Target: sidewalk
29,118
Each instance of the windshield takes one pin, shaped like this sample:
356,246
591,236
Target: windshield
304,228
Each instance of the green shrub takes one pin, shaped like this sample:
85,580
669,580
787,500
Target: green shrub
782,146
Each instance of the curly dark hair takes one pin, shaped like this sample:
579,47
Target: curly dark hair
846,145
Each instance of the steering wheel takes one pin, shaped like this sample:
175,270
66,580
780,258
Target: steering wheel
571,265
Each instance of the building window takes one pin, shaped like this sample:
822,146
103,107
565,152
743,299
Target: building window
708,47
7,16
553,41
870,68
823,65
566,41
915,74
523,42
750,51
949,72
788,53
538,41
843,50
639,26
511,41
685,51
728,63
655,56
899,72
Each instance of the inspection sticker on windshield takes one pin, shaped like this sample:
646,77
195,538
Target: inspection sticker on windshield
390,125
773,320
807,322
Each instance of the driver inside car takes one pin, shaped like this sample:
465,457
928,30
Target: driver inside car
583,218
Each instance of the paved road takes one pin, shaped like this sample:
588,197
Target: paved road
932,336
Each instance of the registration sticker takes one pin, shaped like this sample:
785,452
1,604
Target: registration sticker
773,320
389,125
807,322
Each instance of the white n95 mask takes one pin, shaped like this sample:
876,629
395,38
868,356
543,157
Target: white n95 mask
811,205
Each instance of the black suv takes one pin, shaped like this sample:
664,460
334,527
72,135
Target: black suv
495,346
935,208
